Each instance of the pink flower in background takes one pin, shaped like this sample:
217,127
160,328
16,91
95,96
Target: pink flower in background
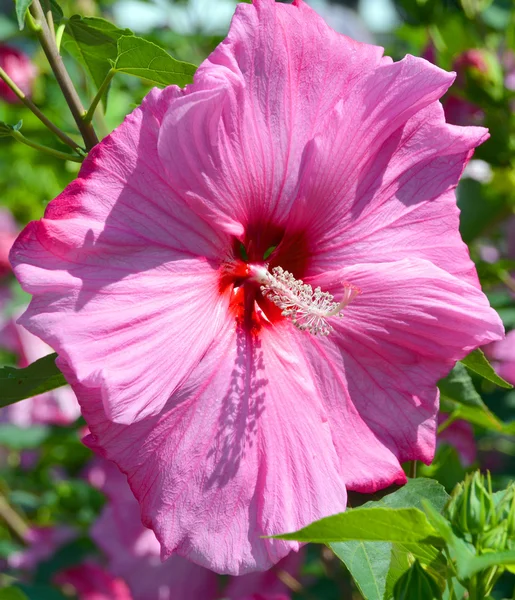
178,276
502,354
133,553
58,407
459,435
19,68
42,543
92,582
8,233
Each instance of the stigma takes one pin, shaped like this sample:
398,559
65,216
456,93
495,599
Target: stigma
307,308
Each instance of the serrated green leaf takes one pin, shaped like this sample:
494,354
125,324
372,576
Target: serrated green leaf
21,9
40,376
93,42
141,58
405,525
22,438
478,363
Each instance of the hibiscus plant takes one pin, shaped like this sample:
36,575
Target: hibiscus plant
254,333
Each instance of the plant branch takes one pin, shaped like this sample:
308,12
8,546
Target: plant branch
61,74
21,138
13,519
88,117
29,104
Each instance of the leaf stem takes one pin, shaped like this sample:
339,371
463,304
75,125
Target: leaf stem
413,469
29,104
13,519
49,46
88,117
65,156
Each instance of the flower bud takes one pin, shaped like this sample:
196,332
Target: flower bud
473,506
505,511
19,68
416,583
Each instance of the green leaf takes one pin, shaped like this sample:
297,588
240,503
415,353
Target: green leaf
144,59
368,563
21,9
462,552
460,398
477,362
376,566
467,568
18,384
12,593
92,41
405,525
21,438
411,495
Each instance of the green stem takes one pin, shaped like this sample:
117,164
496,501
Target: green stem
88,117
71,96
21,138
413,469
29,104
13,519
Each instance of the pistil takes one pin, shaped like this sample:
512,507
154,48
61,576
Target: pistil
307,309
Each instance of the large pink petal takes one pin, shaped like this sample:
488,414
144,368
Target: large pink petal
378,370
233,143
122,270
389,200
242,450
133,550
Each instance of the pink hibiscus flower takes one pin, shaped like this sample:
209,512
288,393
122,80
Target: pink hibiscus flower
168,279
459,435
92,582
134,554
19,68
502,354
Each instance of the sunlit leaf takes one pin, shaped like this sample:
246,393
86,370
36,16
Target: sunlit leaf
144,59
18,384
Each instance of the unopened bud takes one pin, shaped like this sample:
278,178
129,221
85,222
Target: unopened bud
416,583
473,506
